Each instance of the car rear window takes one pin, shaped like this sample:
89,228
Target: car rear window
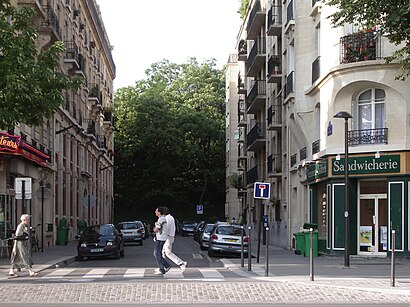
228,230
208,228
129,226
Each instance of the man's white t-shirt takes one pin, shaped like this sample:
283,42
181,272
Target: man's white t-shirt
171,225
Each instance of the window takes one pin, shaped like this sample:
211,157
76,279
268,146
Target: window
370,109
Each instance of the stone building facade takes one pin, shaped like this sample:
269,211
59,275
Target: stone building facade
69,159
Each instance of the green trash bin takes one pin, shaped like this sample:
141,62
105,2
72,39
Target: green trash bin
62,233
307,243
299,243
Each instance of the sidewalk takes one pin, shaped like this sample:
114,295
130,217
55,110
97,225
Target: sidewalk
59,255
363,273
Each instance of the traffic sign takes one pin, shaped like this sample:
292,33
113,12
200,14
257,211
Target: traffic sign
261,190
199,209
18,185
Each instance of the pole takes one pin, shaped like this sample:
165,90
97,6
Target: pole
346,253
259,233
393,250
250,249
312,278
267,252
42,218
242,253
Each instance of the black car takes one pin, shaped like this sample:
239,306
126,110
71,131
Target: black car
187,229
100,241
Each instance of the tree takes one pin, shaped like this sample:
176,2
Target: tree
170,141
391,18
244,6
31,84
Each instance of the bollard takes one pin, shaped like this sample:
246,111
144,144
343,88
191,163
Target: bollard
312,278
393,250
249,249
267,252
242,253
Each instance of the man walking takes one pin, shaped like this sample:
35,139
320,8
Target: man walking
160,230
167,249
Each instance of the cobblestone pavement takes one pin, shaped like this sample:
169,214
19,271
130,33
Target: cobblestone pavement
171,292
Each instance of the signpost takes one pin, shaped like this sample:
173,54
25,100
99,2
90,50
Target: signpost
199,209
261,190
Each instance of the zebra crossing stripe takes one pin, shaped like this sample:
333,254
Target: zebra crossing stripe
134,273
59,273
174,273
210,273
96,273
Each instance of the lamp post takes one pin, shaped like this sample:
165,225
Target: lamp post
346,116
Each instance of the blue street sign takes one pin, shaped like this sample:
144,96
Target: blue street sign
261,190
199,209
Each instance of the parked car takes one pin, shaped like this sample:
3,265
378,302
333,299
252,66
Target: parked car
226,239
100,241
146,230
198,230
204,238
133,231
187,229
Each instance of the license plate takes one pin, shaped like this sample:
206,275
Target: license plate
231,240
97,250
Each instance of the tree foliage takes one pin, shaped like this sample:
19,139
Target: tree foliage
30,83
391,17
170,141
243,7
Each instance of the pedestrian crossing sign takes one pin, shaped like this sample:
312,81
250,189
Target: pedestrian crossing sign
261,190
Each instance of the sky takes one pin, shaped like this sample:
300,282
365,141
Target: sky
144,32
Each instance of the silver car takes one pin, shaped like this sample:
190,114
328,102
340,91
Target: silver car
204,238
226,239
132,231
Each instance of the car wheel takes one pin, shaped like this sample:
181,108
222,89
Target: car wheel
79,258
122,254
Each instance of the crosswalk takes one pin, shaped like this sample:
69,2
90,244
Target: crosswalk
204,273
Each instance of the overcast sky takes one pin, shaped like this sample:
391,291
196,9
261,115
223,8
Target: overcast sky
146,31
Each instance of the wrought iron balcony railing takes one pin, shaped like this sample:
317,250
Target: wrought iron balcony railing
360,46
368,136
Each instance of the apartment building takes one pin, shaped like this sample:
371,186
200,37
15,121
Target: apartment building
69,158
297,73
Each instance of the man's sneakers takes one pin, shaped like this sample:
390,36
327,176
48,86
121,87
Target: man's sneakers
157,272
183,266
167,269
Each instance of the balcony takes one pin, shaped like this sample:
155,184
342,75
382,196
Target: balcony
256,138
242,152
51,24
95,95
242,50
316,69
36,5
290,19
257,57
255,21
101,141
254,175
241,85
275,117
293,160
274,165
89,127
242,122
368,136
303,153
241,165
360,46
241,106
257,96
275,21
71,55
274,70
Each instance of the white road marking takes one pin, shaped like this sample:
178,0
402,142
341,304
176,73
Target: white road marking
96,273
134,273
210,273
59,273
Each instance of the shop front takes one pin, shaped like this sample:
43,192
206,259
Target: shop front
378,203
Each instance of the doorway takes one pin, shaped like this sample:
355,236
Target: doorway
373,224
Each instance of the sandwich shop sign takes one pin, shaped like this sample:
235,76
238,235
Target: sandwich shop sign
367,165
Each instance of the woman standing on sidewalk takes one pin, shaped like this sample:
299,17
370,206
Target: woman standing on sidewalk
20,255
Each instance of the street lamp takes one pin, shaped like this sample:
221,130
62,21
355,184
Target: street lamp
346,116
